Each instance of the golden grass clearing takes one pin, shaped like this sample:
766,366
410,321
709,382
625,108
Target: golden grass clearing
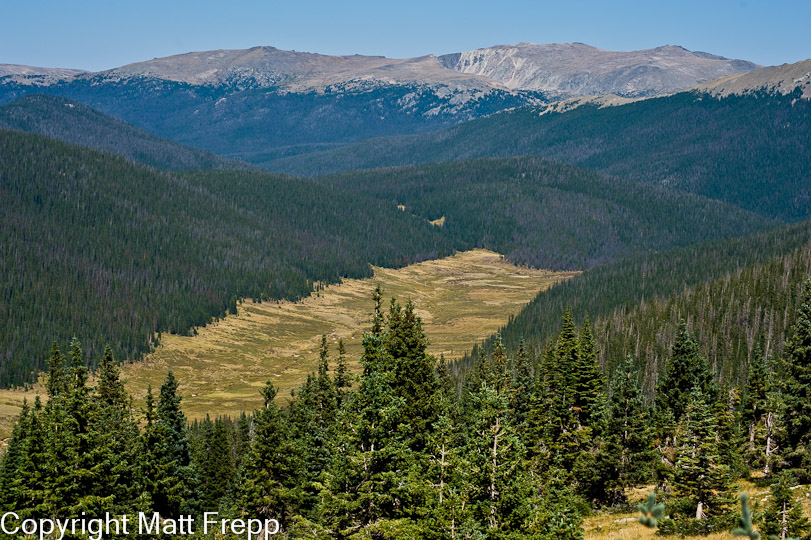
611,526
462,299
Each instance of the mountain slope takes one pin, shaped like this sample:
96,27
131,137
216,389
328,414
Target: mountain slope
732,292
264,103
94,246
750,150
546,214
79,124
576,69
783,79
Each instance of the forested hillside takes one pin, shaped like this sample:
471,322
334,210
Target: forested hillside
547,214
742,314
750,150
734,294
97,247
79,124
246,120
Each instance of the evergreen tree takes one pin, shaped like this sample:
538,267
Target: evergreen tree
170,482
414,377
57,382
342,376
701,482
796,389
685,369
783,517
269,469
378,479
589,381
524,384
729,436
14,459
116,438
629,436
216,466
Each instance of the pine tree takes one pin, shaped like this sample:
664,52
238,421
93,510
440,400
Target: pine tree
796,389
686,368
701,482
629,436
589,381
268,474
110,389
729,436
414,378
14,458
116,438
342,377
783,516
170,480
524,384
377,479
57,382
216,466
499,491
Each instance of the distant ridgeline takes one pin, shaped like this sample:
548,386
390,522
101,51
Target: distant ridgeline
253,123
736,296
76,123
750,150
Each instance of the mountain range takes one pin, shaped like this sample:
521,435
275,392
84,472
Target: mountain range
264,103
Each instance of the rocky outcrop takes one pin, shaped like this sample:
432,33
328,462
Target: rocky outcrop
576,69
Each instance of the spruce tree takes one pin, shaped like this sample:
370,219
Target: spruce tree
170,480
589,381
701,482
414,377
629,436
783,516
524,385
685,369
269,469
14,458
796,389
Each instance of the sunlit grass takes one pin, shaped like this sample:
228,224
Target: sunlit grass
461,299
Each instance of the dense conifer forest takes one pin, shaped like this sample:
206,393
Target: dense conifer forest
97,247
735,293
79,124
749,150
525,447
550,215
144,251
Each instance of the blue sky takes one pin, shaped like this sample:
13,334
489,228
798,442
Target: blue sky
97,35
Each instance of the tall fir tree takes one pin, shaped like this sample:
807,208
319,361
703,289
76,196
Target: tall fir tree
783,516
269,469
701,482
796,389
629,434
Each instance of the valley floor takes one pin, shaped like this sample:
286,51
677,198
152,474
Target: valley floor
462,299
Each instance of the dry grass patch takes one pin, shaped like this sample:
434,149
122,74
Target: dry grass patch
462,300
623,526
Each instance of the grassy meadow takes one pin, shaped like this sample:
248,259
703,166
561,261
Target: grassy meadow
462,299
